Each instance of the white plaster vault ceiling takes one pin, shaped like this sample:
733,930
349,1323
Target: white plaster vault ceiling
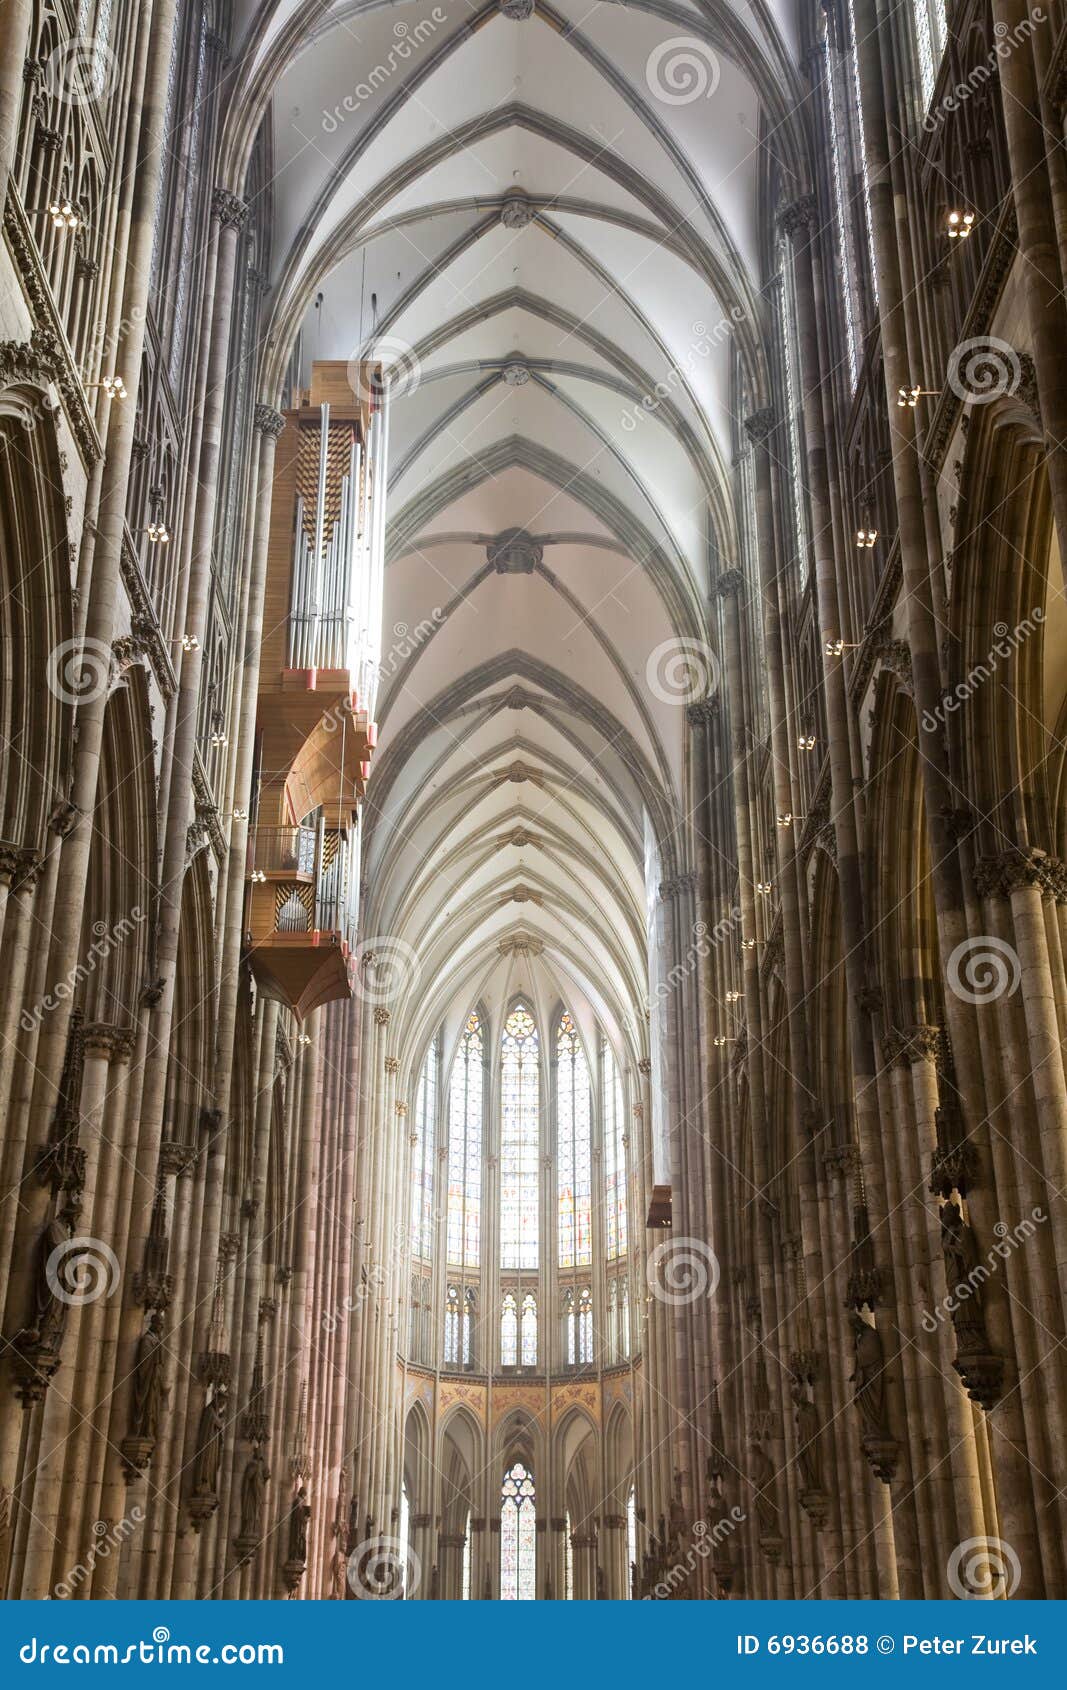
530,223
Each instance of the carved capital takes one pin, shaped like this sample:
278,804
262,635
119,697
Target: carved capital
230,209
797,215
759,425
268,421
731,581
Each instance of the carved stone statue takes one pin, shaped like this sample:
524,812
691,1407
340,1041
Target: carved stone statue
299,1515
210,1433
50,1305
763,1480
961,1255
254,1483
869,1377
147,1389
809,1457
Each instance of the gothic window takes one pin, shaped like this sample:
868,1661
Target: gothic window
452,1328
788,343
930,32
519,1149
614,1161
423,1156
570,1328
613,1319
575,1182
518,1536
467,1333
585,1327
465,1149
848,180
509,1332
529,1330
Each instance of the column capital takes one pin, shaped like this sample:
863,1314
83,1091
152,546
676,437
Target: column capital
230,209
797,215
268,421
759,424
730,582
704,710
101,1038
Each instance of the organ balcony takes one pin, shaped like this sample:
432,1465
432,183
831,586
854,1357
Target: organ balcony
303,913
319,664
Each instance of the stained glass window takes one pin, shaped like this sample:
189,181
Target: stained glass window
614,1161
423,1156
585,1327
529,1330
518,1536
465,1149
930,30
575,1182
788,340
452,1327
509,1332
519,1149
467,1334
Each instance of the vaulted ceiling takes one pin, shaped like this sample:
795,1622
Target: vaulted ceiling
551,227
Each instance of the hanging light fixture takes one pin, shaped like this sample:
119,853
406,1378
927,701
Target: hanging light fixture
806,742
63,214
908,397
866,537
733,997
959,225
189,642
158,534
